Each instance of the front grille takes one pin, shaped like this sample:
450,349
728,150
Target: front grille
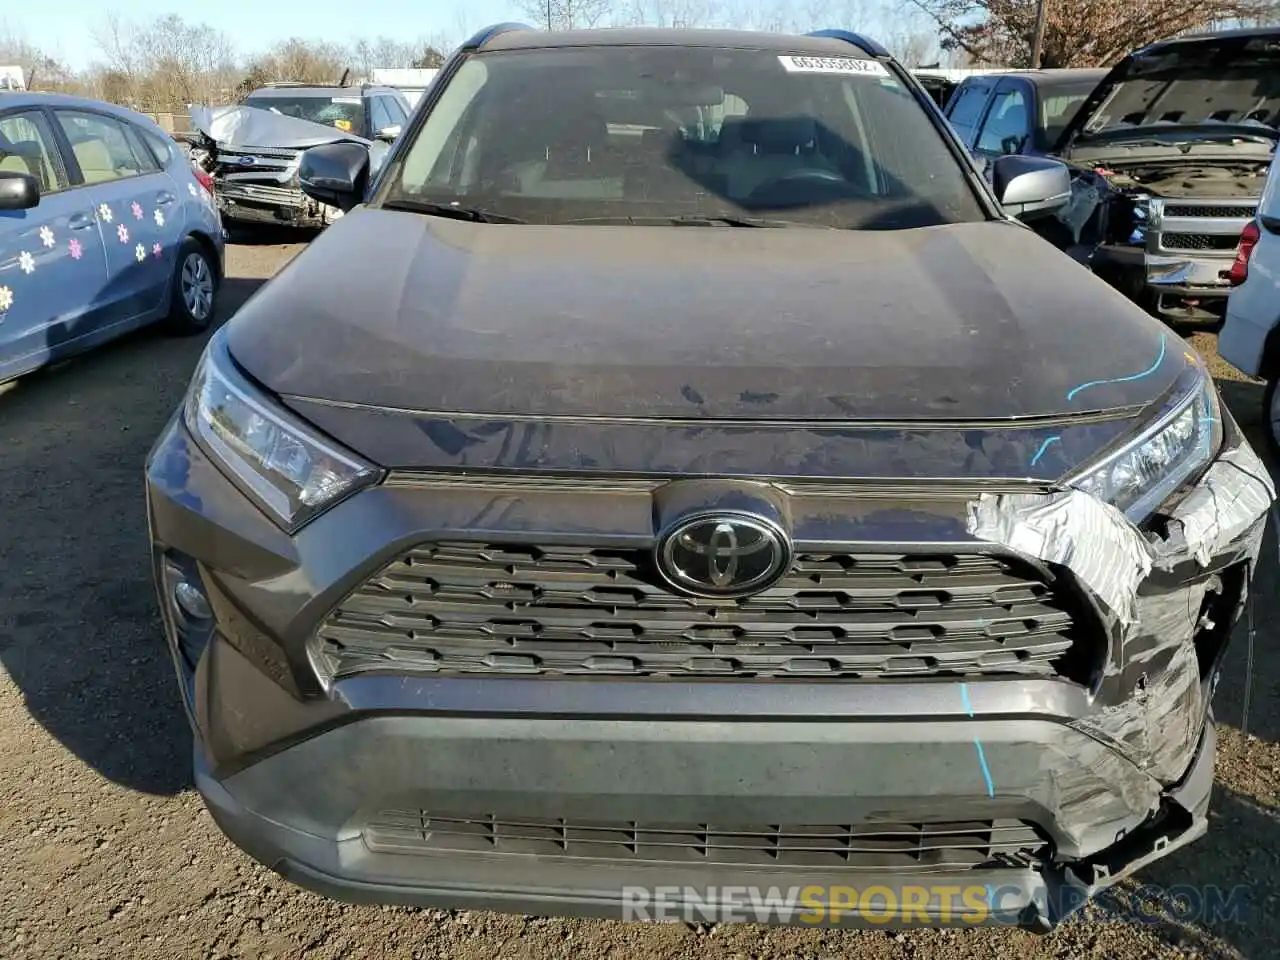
1199,241
868,846
1201,210
511,609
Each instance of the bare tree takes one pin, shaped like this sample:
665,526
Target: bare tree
567,14
913,48
672,13
1078,33
167,63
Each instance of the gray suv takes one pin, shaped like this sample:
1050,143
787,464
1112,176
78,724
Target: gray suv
679,479
252,150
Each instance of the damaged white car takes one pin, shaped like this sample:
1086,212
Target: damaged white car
1170,153
252,150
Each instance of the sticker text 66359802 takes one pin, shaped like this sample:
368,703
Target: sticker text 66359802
846,65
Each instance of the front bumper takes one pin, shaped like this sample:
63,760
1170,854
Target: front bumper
1174,286
1109,776
264,204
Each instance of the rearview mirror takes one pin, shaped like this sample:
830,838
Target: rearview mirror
1030,187
335,174
18,191
389,133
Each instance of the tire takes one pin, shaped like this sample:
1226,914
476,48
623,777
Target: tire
1271,417
194,301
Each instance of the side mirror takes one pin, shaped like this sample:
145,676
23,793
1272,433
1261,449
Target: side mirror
389,133
1030,187
18,191
335,174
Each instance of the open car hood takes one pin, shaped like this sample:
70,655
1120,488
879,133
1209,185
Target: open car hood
243,126
1206,83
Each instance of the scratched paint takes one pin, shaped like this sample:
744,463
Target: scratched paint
977,743
1164,345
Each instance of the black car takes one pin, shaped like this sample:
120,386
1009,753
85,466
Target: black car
678,481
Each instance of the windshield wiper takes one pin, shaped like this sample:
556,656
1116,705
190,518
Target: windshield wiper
691,220
472,214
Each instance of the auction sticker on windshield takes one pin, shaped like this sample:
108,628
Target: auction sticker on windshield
873,68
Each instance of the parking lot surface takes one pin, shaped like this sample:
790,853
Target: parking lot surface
106,851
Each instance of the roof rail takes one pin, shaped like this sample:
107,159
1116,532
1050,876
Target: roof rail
488,33
865,44
292,83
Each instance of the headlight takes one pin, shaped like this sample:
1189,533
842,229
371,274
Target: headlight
282,463
1182,441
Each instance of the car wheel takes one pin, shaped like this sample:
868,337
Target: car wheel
1271,416
195,290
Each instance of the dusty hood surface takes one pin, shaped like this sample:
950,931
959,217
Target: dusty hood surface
970,321
1212,86
242,126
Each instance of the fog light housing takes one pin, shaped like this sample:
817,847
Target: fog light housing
190,599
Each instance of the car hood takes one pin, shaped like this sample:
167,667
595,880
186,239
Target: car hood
1212,84
240,125
971,321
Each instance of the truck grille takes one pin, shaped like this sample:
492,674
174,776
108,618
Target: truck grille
869,846
1200,241
512,609
271,166
1201,210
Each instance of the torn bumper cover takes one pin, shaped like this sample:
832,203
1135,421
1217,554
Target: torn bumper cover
253,156
560,795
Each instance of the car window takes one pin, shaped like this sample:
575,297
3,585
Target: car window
381,115
140,149
27,146
572,134
1057,110
104,147
964,110
397,110
162,147
1006,127
345,113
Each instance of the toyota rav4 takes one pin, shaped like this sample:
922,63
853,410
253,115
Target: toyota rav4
680,469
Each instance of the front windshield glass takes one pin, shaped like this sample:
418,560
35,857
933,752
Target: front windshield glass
343,113
638,134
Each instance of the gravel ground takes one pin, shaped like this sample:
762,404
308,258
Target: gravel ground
107,851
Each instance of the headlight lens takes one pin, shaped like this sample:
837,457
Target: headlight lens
1181,443
282,463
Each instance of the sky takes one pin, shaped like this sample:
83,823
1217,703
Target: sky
65,29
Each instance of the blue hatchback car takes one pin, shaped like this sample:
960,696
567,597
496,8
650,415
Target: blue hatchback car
104,227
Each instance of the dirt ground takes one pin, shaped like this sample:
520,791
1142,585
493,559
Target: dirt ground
106,851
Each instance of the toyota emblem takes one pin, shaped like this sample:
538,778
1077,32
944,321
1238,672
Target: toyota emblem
723,555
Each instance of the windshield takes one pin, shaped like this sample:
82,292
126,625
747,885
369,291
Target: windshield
345,113
1057,106
633,134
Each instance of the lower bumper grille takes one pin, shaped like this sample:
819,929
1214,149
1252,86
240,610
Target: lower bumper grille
513,609
1210,242
870,846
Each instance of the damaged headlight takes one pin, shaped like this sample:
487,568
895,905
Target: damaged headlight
282,463
1181,442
